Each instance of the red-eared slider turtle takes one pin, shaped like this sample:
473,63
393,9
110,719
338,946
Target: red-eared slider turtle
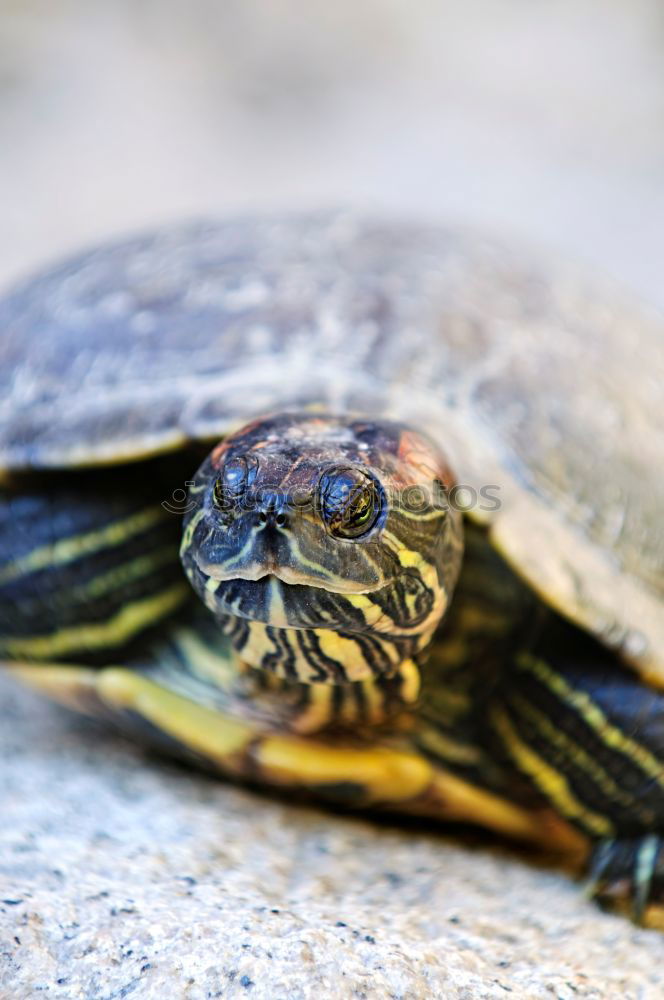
325,539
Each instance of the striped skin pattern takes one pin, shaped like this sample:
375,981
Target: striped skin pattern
315,600
88,567
521,702
449,758
182,693
524,723
589,736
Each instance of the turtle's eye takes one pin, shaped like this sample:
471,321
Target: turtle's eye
349,502
233,480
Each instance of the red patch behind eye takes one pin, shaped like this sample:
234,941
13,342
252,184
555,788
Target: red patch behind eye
217,454
424,459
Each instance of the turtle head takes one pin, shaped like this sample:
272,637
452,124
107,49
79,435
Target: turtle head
324,545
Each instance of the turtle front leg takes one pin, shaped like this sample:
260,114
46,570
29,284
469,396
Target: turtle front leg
628,874
588,734
183,699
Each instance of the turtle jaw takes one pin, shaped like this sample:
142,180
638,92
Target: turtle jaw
291,576
303,633
271,599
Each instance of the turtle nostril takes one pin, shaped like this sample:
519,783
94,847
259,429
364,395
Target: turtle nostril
269,517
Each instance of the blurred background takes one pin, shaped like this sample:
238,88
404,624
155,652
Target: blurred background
540,119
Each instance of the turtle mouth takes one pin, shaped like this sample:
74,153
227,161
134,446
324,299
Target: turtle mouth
267,572
269,600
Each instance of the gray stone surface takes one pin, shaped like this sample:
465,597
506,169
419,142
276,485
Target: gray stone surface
125,876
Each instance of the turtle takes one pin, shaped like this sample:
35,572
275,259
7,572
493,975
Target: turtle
357,509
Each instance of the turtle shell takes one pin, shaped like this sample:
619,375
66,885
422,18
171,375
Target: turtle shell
546,392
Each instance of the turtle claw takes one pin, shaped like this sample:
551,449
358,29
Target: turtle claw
628,873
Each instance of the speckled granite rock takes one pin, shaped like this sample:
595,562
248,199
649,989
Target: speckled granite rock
122,876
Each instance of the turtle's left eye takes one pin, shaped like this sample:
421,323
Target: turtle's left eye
349,502
233,480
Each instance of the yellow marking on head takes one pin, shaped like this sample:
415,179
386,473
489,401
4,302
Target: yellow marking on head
188,533
430,515
344,651
360,601
311,564
121,627
66,550
592,714
390,540
374,616
257,645
553,784
379,620
349,654
277,610
241,554
409,558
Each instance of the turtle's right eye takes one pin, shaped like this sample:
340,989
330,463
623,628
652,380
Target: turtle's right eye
349,501
233,480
